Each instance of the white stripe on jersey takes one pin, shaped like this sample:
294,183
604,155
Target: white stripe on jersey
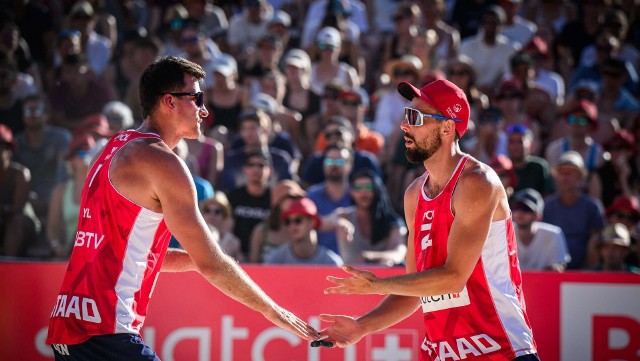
134,266
497,270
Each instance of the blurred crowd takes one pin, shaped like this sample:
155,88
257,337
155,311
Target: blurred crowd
301,160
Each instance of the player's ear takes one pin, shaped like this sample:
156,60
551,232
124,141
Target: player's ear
448,128
168,101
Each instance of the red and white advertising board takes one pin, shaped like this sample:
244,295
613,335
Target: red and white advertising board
575,316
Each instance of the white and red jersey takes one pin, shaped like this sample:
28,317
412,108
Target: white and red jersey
118,250
487,319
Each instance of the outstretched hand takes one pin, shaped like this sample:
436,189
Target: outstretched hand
288,321
343,331
362,282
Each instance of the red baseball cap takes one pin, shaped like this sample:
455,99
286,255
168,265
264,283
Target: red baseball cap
443,95
304,207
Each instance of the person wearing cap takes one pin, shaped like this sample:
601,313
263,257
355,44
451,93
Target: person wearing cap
197,47
226,98
137,194
328,66
625,209
64,207
353,12
301,222
531,171
298,95
613,248
390,104
541,246
460,248
18,222
516,28
218,214
263,59
489,50
119,116
581,118
578,215
617,100
270,233
98,48
41,148
255,129
280,26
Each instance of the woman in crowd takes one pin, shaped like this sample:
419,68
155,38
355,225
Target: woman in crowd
379,233
270,234
64,206
217,213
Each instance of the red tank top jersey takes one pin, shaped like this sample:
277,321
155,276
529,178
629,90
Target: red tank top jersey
487,319
118,250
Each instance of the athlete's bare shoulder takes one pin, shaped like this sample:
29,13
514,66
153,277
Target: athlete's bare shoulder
480,186
139,165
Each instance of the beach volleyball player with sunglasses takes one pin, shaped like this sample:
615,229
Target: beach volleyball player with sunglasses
138,193
462,266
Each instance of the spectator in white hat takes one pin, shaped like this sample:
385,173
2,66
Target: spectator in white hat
613,247
329,66
579,216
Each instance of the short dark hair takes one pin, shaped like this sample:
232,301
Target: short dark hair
163,76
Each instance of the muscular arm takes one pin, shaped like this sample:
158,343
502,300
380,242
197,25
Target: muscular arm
169,186
478,195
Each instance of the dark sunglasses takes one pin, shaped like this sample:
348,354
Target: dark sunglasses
331,95
255,165
628,216
329,162
213,210
519,207
293,220
336,133
416,118
199,97
362,187
577,120
350,103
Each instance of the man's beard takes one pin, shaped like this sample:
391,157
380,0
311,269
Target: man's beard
418,154
333,178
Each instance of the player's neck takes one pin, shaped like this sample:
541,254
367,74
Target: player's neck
441,166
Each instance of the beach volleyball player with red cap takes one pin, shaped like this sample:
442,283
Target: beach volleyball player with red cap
462,266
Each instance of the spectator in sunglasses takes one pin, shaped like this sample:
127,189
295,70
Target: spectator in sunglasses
379,233
301,221
338,131
460,243
217,212
581,119
138,194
